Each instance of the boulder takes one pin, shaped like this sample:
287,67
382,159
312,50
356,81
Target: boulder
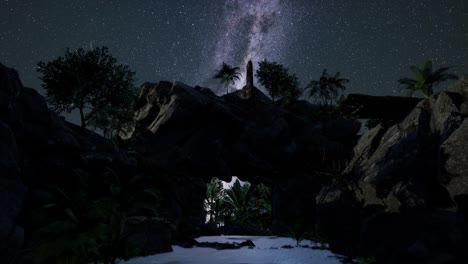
149,236
12,188
10,88
404,193
12,196
454,151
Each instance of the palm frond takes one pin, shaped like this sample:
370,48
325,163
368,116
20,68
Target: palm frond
417,72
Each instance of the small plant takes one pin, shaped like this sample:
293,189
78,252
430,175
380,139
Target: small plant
298,232
318,241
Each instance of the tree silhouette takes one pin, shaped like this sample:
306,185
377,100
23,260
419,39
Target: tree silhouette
278,81
228,75
90,81
214,202
326,89
426,79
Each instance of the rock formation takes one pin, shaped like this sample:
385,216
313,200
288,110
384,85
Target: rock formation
182,137
404,199
249,85
12,188
194,133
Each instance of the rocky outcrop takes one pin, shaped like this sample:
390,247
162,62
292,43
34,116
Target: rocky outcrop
194,133
197,134
39,149
12,188
404,192
182,137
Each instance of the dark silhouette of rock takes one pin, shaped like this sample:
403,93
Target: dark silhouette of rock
381,107
37,149
222,246
183,136
193,133
148,236
12,188
406,189
196,134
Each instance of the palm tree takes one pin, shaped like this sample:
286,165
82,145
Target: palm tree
239,200
326,88
228,75
426,78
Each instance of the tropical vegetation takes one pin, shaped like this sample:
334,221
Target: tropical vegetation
426,79
228,75
327,88
85,221
241,203
278,81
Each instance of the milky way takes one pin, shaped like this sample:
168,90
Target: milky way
251,31
370,42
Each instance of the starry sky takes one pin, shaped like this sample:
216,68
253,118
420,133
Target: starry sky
371,42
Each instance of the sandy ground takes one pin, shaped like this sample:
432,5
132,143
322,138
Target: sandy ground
267,251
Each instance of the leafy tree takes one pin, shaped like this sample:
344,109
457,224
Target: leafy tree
326,88
278,81
228,75
290,89
426,79
92,82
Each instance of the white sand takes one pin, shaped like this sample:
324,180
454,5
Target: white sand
267,251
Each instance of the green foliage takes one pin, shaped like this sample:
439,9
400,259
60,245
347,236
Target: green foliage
240,203
298,232
426,79
238,200
228,75
214,202
85,222
278,81
92,82
326,89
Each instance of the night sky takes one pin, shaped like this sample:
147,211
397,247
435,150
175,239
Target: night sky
372,42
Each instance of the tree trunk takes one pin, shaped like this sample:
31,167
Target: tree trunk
83,122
